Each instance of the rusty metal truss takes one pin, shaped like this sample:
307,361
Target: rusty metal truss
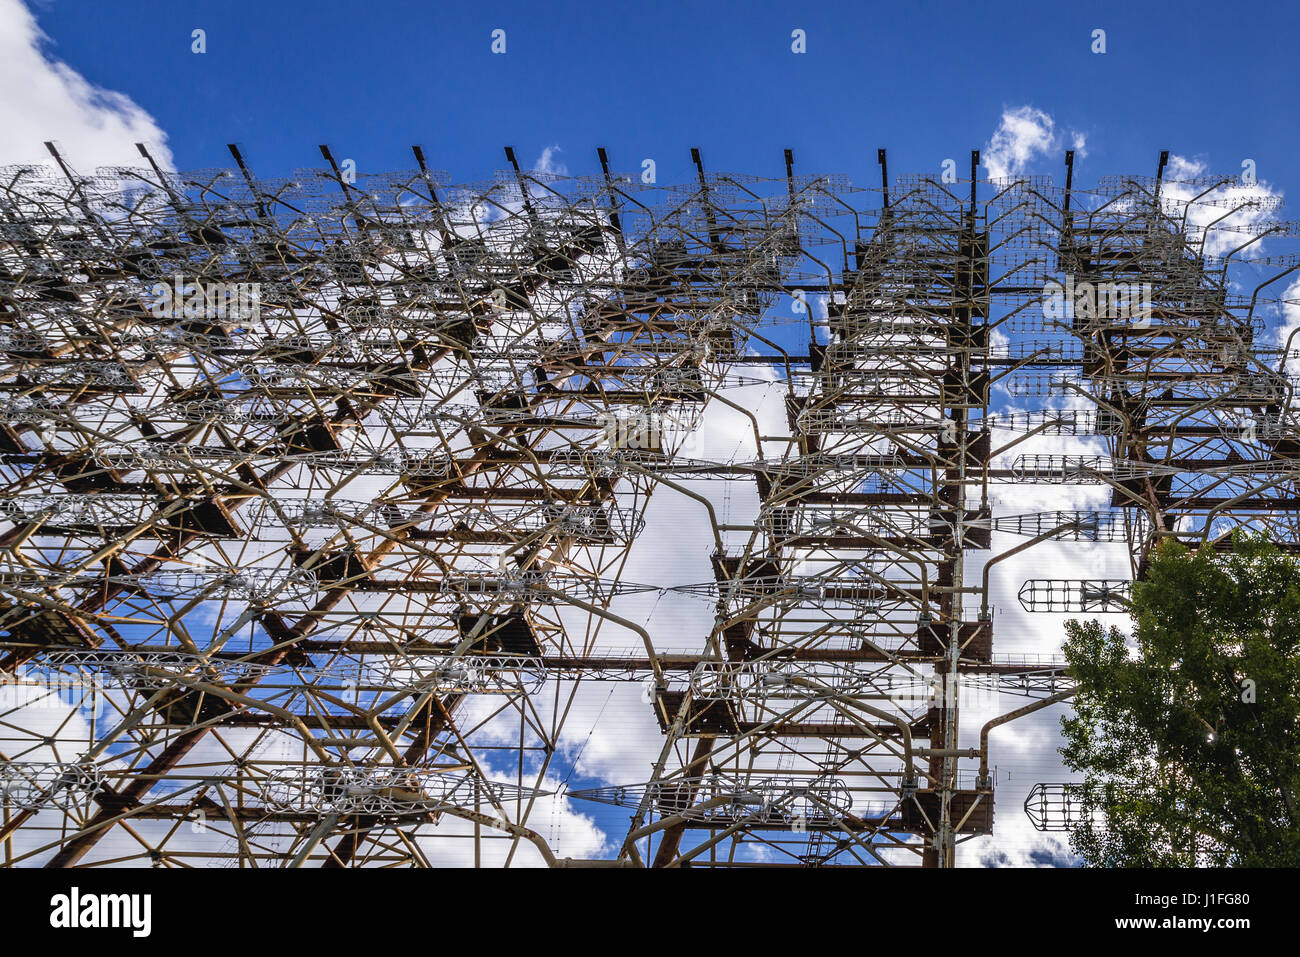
317,495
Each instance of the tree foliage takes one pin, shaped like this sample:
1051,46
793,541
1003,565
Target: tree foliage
1186,733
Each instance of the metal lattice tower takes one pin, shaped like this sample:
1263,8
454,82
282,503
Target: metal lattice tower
313,485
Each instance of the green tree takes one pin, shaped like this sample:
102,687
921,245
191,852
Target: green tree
1188,733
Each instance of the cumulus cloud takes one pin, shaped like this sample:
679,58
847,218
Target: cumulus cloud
1290,322
1024,134
1231,215
1226,215
567,832
547,162
91,125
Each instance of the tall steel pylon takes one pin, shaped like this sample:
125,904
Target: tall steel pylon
313,486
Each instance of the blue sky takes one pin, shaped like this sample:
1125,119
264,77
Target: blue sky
926,80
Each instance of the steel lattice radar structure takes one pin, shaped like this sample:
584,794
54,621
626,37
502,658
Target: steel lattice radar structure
313,485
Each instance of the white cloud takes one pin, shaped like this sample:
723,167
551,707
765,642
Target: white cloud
1024,134
567,832
49,100
547,163
1290,321
1231,211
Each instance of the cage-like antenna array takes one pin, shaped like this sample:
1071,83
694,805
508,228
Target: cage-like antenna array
313,485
